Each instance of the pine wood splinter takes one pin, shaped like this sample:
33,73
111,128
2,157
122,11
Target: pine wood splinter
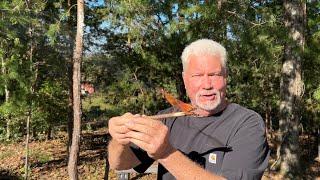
186,109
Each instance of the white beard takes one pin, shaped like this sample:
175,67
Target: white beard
209,105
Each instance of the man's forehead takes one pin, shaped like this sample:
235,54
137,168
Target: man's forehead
204,62
215,56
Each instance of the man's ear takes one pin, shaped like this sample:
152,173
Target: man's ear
183,77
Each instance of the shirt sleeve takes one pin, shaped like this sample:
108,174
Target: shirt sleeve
250,152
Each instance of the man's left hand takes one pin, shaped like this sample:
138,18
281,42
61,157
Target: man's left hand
151,136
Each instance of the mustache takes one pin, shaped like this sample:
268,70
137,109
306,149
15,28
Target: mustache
207,92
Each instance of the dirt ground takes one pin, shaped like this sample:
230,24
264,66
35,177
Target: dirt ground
48,160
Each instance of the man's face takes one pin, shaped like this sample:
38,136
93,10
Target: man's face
205,81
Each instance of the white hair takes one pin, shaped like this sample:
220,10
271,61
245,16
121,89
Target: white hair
204,47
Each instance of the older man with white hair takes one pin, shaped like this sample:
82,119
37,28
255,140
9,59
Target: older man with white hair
224,140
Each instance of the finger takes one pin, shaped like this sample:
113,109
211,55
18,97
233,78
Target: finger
147,121
120,120
143,145
126,114
121,129
139,136
139,127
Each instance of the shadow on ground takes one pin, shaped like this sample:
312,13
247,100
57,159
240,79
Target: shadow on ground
8,175
93,146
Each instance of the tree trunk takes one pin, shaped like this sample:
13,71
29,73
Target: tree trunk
318,140
77,56
220,25
26,165
291,90
7,95
69,65
267,119
8,129
49,133
106,169
31,91
219,4
29,117
70,112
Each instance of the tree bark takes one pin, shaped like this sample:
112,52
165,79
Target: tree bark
291,87
267,118
77,57
318,141
106,169
26,164
49,133
219,4
220,24
69,65
7,96
31,91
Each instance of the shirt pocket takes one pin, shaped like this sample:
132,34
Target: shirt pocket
214,161
214,158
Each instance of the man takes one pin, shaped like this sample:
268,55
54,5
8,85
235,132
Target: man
225,140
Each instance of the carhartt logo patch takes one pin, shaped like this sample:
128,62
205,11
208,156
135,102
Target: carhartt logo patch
213,158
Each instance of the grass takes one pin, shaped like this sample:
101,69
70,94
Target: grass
95,107
97,100
5,154
40,156
48,160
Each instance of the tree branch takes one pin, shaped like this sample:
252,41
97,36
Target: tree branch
246,20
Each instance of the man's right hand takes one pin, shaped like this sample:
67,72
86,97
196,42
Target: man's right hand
118,130
120,155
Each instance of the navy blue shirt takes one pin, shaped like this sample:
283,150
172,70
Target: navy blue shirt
231,143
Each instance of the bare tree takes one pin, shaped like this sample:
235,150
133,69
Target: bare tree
291,89
69,64
6,90
7,95
77,57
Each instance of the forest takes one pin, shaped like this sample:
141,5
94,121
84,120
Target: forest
67,66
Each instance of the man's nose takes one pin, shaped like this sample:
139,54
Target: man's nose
207,82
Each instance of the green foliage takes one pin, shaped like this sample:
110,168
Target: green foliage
95,107
53,32
32,67
145,39
133,49
316,94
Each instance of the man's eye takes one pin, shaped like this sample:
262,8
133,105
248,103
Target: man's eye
196,75
215,74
